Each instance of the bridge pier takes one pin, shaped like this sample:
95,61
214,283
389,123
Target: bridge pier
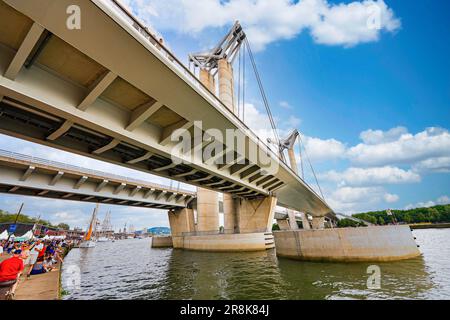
318,223
207,210
229,213
283,224
252,231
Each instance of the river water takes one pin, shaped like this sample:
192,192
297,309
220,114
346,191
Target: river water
130,269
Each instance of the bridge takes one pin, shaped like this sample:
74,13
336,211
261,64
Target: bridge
111,91
31,176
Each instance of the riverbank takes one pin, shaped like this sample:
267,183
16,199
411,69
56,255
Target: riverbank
430,226
38,287
46,286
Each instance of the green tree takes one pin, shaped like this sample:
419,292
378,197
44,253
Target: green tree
64,226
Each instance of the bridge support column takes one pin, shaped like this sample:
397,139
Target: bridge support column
226,86
283,224
256,215
318,222
207,210
254,228
229,213
305,221
292,221
226,95
207,201
181,221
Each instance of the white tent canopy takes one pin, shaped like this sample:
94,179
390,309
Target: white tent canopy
4,235
28,235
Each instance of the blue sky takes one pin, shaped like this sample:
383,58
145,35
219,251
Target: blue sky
373,104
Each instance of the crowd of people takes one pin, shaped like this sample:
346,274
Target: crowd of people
31,258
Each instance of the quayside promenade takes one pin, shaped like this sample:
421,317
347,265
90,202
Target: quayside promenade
44,286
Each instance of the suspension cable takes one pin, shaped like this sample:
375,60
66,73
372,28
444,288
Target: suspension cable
239,84
301,158
263,94
312,169
243,84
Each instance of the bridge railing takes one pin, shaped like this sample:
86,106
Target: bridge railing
166,53
81,170
222,231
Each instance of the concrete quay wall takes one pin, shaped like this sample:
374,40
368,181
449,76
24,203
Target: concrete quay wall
162,242
238,242
378,243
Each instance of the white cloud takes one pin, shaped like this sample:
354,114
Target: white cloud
358,199
440,164
266,21
347,24
285,105
390,198
443,200
293,122
371,176
406,148
430,203
320,149
372,137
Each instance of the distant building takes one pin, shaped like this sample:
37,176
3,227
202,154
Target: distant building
75,234
158,230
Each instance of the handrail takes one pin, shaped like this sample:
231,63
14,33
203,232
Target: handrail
60,165
222,231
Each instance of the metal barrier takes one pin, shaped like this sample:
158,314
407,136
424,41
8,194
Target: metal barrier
222,231
60,165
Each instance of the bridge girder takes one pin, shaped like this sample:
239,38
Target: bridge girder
97,105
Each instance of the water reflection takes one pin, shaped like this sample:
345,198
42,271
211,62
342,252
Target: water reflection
130,269
202,275
314,280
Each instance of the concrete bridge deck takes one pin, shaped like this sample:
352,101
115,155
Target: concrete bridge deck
25,175
111,92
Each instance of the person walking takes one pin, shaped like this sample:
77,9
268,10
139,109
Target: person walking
34,254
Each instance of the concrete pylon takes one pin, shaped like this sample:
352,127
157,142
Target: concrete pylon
207,210
291,214
318,222
283,225
181,222
305,221
207,79
229,213
292,221
207,200
226,95
256,215
226,84
292,160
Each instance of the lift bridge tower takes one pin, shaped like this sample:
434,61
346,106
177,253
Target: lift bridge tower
212,64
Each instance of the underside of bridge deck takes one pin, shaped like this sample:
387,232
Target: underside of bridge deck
110,91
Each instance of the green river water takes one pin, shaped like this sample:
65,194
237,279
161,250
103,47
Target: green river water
130,269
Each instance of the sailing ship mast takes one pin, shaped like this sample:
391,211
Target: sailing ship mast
92,225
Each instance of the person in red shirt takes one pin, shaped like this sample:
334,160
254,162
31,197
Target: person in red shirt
12,267
10,271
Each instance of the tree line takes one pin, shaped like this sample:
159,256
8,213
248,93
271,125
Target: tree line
435,214
6,217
